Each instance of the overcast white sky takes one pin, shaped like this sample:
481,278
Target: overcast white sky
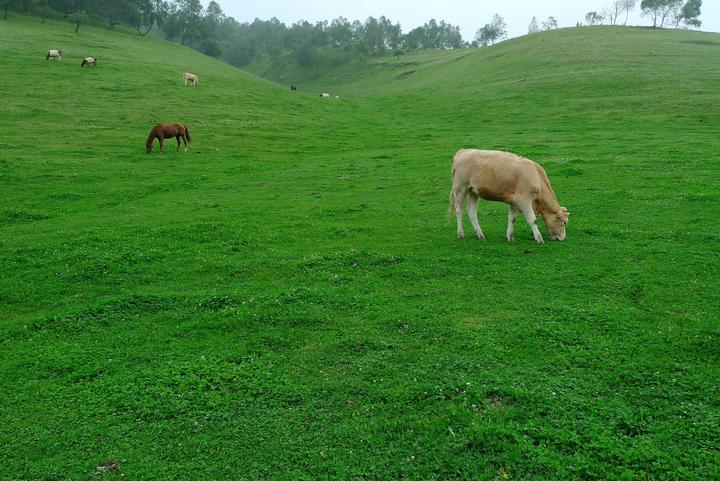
469,15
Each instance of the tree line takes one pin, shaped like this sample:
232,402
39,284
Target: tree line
677,13
209,30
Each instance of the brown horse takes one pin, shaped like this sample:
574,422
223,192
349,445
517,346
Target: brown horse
166,131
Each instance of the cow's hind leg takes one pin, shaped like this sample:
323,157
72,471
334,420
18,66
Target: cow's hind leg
527,210
473,201
511,224
459,202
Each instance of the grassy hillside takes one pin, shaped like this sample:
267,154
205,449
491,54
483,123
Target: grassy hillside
287,300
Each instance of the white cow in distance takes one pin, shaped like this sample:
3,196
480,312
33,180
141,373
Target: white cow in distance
56,54
192,78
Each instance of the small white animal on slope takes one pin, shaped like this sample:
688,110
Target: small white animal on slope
325,95
509,178
192,78
54,54
89,61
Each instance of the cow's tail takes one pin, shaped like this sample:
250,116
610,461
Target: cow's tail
451,209
187,133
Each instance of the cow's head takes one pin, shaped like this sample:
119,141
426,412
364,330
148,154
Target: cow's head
556,222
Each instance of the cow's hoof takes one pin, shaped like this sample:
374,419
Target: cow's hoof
461,236
511,239
480,237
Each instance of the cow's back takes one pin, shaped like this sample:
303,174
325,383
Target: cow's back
496,175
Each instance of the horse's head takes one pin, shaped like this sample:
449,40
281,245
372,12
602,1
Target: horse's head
149,143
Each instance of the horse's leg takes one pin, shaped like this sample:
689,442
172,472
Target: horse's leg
473,201
160,139
184,138
527,209
177,137
511,223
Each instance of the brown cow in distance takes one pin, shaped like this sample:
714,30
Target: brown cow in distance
505,177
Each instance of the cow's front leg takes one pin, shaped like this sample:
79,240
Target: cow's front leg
529,213
511,224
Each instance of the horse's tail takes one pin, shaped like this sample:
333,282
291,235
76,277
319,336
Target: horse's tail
187,132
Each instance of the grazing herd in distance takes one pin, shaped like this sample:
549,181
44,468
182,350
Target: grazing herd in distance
476,174
324,95
57,54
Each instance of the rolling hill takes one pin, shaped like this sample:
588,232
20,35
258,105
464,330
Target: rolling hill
287,300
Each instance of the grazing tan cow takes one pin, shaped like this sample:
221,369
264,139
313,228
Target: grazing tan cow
509,178
192,78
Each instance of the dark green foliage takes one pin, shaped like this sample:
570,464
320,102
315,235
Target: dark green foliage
689,14
208,30
492,32
660,10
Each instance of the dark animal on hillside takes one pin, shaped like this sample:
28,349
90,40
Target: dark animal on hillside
89,61
166,131
54,54
293,87
509,178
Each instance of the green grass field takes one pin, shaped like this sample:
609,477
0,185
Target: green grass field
287,300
